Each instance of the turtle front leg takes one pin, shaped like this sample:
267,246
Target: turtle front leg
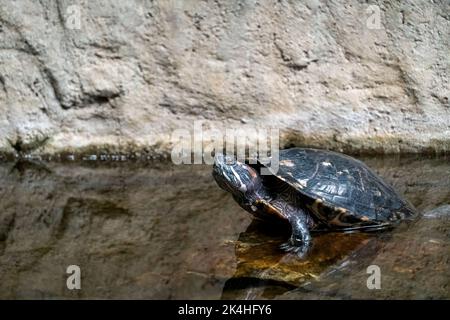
300,240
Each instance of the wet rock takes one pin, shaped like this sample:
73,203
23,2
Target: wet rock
164,231
414,262
261,264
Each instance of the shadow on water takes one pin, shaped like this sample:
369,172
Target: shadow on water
168,232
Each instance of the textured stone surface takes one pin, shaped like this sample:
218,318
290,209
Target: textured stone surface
136,70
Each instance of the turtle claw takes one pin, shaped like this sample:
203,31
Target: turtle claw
296,247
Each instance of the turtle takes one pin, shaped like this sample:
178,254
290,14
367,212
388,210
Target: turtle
313,190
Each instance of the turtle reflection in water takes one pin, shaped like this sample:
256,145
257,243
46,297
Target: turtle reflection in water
263,271
313,190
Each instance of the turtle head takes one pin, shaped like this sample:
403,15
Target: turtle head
238,178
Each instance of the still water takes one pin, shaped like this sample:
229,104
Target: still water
160,231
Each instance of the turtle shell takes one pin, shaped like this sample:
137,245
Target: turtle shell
340,190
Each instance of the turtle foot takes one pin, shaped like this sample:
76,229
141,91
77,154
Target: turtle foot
296,246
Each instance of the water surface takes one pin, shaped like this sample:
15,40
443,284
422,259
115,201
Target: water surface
156,230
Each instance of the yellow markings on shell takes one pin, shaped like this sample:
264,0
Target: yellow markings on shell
287,163
315,208
341,210
337,220
302,183
316,204
269,208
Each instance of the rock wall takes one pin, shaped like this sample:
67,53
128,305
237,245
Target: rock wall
121,76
